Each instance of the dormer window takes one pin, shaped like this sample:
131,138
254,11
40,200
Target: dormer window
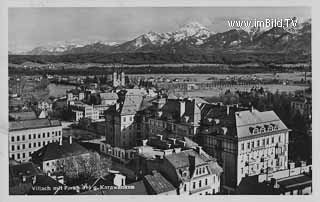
262,130
255,131
270,128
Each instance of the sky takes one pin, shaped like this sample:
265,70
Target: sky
32,27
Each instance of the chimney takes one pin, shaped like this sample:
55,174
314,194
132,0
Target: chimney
199,150
60,141
228,109
182,107
70,139
291,165
192,161
252,108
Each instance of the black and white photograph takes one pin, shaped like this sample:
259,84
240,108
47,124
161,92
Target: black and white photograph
172,100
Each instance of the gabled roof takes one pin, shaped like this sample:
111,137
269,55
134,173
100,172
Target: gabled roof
55,151
33,124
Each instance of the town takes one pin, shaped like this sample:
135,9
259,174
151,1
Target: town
121,135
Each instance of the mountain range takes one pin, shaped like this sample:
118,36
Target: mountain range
194,37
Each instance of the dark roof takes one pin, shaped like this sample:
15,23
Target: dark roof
55,151
23,169
291,183
157,184
33,124
23,115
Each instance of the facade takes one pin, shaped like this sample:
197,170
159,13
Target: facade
178,116
81,110
28,136
192,172
245,142
75,94
118,79
121,127
45,105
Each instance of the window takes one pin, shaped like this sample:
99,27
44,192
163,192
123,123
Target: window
263,142
267,141
194,185
206,181
18,156
200,183
12,156
203,170
48,134
130,118
30,145
214,179
23,155
280,138
34,144
34,136
248,145
12,147
18,138
272,140
44,143
241,170
185,187
252,144
39,135
23,146
23,137
18,147
59,133
200,171
39,144
124,119
29,136
12,139
258,143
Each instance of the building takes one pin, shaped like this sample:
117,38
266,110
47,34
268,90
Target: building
27,136
75,94
178,116
121,128
292,181
192,172
81,110
45,105
108,98
245,142
54,157
303,105
118,79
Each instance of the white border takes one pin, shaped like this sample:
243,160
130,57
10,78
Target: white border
152,3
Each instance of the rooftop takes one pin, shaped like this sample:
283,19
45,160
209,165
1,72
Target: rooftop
33,124
157,184
23,115
56,151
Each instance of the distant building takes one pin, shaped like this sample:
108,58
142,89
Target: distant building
118,79
81,110
75,95
303,105
245,142
108,98
45,105
27,136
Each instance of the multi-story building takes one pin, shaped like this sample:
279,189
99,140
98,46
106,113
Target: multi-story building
81,110
75,94
178,116
245,142
121,127
27,136
118,79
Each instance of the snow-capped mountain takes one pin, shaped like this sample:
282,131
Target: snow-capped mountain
193,37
